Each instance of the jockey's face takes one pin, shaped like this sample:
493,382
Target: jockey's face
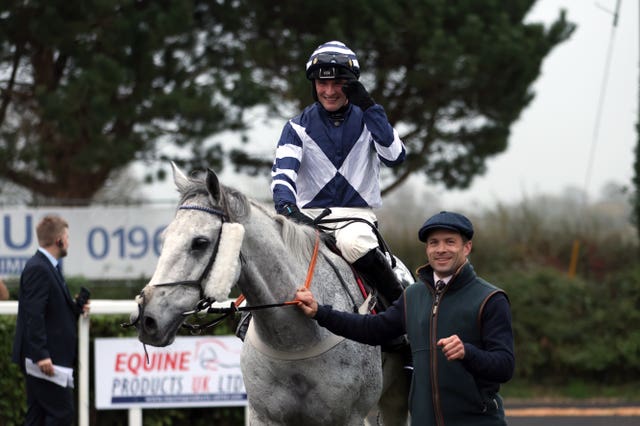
447,251
330,94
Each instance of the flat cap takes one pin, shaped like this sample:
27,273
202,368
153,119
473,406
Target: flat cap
446,220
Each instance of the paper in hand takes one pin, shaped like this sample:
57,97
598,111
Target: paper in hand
62,376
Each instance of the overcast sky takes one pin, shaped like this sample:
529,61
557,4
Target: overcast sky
550,146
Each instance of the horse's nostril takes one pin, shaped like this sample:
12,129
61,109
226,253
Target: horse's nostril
149,324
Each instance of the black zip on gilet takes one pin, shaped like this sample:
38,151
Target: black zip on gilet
444,393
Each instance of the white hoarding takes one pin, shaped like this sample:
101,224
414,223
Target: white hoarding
191,372
104,242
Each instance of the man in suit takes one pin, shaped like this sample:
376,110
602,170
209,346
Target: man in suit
46,327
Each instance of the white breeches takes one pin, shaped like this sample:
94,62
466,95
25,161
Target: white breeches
356,238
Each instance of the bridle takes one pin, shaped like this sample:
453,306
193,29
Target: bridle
204,303
205,272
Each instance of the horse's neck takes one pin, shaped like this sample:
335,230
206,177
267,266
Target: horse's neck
271,275
285,329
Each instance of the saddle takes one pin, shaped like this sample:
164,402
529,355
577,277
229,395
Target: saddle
363,271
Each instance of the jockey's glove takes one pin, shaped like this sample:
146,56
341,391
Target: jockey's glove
293,212
357,94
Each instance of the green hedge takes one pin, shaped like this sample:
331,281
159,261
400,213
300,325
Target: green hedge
568,329
13,403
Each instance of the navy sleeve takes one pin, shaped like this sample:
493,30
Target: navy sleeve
494,362
369,329
285,168
387,142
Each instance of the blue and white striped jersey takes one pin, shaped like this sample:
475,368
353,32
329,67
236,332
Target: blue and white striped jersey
318,164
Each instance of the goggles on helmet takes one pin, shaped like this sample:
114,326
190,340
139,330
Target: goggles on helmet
331,66
332,58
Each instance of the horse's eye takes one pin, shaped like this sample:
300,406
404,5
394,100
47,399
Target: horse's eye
199,243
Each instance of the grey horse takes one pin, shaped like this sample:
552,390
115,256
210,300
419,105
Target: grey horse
295,372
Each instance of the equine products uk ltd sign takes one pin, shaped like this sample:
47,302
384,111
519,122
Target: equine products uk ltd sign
191,372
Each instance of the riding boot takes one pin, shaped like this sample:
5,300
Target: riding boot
377,271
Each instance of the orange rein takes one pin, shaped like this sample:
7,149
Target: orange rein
310,270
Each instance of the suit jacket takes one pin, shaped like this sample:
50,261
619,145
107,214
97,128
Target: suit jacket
47,316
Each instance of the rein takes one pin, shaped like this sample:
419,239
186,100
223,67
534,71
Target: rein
204,305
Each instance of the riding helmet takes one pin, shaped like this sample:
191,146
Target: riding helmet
333,60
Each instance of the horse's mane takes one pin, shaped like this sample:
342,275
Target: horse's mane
298,238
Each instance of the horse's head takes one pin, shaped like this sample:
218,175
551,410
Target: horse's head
199,258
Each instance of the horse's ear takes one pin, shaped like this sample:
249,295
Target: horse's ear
213,185
179,178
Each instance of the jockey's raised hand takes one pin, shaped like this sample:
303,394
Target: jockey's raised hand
357,94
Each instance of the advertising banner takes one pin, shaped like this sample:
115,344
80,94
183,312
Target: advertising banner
191,372
104,242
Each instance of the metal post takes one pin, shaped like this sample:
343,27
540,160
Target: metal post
83,371
135,416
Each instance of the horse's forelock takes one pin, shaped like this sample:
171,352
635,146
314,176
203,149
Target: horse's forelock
232,202
193,187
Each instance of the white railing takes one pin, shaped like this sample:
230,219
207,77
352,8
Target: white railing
103,307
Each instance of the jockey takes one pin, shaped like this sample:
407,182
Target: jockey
329,156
